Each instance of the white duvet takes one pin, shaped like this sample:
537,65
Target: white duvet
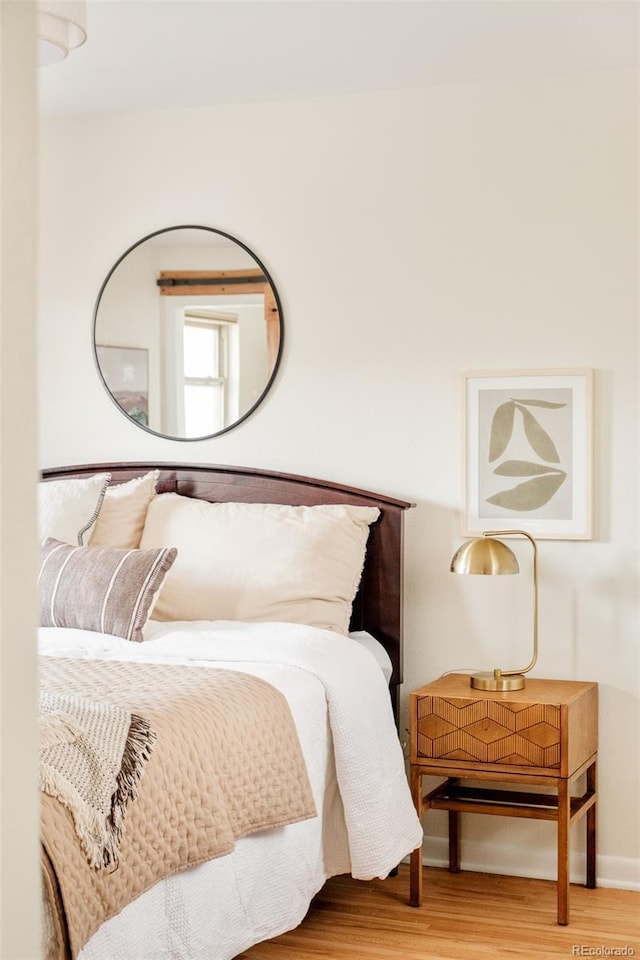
366,821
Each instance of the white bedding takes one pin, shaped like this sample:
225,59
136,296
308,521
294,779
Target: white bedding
366,824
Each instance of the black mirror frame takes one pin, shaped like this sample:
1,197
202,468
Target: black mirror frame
277,360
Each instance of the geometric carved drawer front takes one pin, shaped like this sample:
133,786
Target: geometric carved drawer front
489,731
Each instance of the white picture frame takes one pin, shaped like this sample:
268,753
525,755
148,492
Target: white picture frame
528,452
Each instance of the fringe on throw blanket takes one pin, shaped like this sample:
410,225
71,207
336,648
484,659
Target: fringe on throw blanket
92,756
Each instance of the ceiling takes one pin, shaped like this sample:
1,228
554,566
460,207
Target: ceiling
163,54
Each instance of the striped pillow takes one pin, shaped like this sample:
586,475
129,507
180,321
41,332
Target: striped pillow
103,589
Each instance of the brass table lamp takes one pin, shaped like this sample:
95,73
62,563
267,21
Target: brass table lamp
489,556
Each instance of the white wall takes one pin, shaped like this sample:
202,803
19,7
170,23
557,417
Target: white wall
19,798
412,236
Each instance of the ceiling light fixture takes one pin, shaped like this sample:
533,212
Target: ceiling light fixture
61,27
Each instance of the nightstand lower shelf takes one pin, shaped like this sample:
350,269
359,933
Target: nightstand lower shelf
561,807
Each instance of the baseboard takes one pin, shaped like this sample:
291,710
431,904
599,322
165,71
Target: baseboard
620,872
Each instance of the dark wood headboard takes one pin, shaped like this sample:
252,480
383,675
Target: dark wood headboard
378,604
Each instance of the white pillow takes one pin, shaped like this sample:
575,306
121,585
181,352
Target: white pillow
257,562
69,508
123,512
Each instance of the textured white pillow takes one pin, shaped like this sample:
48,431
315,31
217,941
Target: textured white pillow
123,512
69,508
257,562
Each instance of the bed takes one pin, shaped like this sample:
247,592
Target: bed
325,661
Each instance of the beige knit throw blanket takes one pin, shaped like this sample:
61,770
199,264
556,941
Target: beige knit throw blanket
92,756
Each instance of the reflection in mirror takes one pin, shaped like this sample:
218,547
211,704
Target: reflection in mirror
188,332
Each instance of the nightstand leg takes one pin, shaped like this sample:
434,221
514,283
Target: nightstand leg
564,823
454,841
415,868
415,878
592,786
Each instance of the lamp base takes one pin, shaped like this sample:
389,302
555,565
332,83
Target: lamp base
497,681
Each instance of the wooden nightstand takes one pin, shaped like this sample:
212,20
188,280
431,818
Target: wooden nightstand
544,735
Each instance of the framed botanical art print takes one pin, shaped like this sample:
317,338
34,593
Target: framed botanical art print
527,455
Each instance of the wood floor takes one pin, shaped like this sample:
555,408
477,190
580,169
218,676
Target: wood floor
464,916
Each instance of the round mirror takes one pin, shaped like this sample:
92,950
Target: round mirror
187,332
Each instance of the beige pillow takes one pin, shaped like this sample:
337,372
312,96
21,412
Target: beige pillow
252,561
68,509
103,589
123,512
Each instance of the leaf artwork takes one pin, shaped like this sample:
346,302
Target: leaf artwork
501,429
523,468
538,437
542,403
545,480
531,494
